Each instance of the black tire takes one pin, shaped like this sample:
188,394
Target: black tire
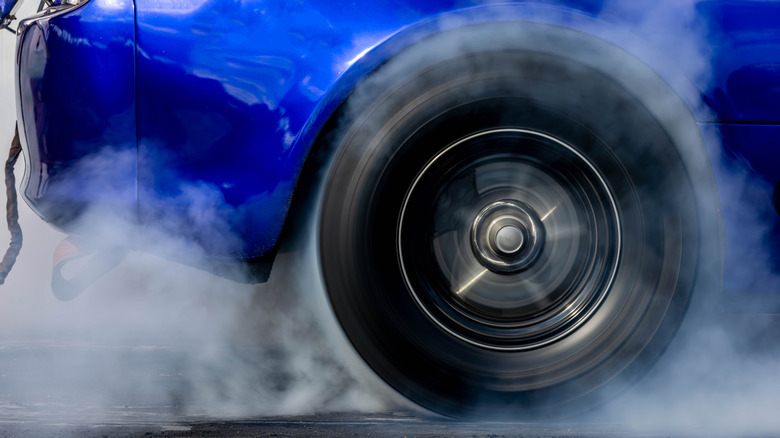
507,230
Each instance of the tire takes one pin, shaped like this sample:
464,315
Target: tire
507,231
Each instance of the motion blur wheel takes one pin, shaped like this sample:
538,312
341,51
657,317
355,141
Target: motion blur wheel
508,239
507,231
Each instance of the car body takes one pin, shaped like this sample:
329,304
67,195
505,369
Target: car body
151,107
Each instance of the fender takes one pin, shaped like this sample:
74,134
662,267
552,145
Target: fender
660,62
605,47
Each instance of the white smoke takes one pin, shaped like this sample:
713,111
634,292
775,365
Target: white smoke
158,335
154,337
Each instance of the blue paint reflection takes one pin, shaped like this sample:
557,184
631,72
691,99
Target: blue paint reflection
230,95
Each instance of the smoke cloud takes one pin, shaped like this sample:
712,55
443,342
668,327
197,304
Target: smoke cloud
155,335
156,340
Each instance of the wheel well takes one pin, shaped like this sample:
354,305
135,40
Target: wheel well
413,46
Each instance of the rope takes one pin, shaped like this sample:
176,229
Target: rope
12,213
11,204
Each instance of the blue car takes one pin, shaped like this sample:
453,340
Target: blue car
515,205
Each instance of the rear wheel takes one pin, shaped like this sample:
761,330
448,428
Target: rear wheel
506,231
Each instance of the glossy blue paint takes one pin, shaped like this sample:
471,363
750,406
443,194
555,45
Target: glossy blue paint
223,90
745,37
747,170
76,108
231,95
257,80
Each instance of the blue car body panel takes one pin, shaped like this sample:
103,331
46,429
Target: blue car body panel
230,96
745,60
76,86
747,173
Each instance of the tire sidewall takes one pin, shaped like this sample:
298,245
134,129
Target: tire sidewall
394,106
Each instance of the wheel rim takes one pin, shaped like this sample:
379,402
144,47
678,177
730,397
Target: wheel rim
509,239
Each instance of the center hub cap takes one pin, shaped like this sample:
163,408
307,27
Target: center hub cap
509,239
507,236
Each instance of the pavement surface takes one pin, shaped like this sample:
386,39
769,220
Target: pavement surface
386,424
88,389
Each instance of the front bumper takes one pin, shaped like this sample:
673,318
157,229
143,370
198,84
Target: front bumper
75,85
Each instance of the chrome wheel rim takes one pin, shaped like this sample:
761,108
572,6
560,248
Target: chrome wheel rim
509,239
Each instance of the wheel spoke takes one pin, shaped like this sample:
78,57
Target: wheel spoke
546,215
467,284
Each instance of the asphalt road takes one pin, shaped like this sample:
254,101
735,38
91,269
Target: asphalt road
379,424
79,389
385,424
128,389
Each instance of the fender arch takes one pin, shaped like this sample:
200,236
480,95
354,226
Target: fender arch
667,91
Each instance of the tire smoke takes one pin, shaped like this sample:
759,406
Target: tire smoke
155,340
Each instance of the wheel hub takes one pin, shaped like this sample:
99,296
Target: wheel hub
509,239
507,236
520,240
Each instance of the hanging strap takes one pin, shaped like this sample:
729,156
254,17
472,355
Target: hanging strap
11,210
